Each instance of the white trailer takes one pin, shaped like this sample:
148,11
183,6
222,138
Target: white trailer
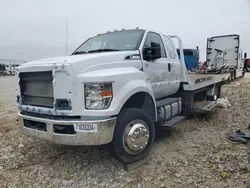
225,55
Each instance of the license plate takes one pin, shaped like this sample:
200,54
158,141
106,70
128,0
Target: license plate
86,128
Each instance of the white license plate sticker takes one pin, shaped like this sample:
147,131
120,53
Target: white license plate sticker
86,128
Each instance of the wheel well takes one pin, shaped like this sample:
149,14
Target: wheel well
141,100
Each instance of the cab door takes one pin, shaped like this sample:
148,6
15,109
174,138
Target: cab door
175,64
158,70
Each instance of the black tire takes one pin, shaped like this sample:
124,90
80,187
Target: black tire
125,117
218,91
243,72
234,74
231,75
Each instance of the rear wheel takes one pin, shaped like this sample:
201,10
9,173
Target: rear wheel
231,75
243,72
234,74
134,135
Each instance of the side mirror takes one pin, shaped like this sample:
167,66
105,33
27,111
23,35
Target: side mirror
245,55
153,52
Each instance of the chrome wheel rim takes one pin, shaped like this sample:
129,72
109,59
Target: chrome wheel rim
135,137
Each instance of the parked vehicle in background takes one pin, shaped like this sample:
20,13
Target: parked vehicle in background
2,70
191,58
11,68
225,55
10,65
117,88
247,64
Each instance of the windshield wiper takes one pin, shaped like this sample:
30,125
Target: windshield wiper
79,52
103,50
97,50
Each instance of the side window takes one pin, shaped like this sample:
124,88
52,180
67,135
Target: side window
170,48
173,51
170,53
154,37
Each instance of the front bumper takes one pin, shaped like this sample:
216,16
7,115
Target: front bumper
103,135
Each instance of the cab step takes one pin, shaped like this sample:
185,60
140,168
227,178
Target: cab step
173,122
204,106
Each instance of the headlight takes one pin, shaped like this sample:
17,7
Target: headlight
98,96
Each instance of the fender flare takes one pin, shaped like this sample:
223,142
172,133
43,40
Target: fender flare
144,87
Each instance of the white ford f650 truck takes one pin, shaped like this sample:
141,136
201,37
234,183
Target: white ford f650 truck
117,88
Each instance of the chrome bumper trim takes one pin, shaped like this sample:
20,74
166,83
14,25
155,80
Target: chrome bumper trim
104,134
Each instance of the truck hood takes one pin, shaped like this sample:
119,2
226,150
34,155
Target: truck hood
87,62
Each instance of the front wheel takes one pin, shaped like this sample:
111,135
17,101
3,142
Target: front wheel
133,136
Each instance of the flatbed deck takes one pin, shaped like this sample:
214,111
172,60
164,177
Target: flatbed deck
198,81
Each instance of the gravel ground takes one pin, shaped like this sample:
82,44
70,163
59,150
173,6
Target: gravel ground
197,154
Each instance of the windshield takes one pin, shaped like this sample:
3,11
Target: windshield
113,41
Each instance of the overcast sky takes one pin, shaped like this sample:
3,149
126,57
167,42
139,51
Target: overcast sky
33,29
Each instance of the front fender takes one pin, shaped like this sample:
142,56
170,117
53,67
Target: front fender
125,81
128,90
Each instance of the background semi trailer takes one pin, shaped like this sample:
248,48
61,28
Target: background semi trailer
117,88
225,55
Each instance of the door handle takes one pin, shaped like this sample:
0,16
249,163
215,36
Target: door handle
169,67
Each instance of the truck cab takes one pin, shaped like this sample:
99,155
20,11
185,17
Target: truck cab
116,88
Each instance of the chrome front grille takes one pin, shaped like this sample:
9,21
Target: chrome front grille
36,88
